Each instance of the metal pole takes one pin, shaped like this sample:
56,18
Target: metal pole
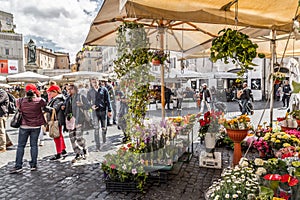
162,74
273,52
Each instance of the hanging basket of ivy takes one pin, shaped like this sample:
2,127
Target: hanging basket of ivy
234,45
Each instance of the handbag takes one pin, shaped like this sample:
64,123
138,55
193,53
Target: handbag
17,118
53,126
70,124
87,122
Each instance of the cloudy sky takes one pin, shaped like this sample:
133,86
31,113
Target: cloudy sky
61,25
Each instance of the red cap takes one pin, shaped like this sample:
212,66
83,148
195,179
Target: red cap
32,87
54,88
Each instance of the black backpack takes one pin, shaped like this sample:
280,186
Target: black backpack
12,107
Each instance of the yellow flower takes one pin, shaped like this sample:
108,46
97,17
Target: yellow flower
277,141
286,145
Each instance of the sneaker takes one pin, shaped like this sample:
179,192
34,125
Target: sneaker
64,153
16,170
33,168
85,153
9,144
41,143
56,157
77,158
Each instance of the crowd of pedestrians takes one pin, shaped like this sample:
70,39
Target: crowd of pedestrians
78,108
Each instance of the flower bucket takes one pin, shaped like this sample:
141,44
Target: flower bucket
298,121
155,62
210,142
237,136
292,123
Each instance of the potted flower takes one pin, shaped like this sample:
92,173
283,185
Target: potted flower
209,127
124,171
296,115
237,129
158,57
278,77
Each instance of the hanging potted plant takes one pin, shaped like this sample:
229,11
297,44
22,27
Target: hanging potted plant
234,45
158,57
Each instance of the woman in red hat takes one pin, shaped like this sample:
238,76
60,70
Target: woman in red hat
31,107
56,100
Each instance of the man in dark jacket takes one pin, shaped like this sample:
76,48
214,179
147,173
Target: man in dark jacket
103,107
112,97
287,90
4,139
75,106
91,96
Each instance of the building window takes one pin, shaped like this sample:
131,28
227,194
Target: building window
6,51
88,55
89,61
62,60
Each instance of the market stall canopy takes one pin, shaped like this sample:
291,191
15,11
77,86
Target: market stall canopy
2,79
195,23
176,74
29,77
4,85
75,76
182,27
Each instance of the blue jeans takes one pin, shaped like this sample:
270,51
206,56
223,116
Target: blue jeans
102,117
33,133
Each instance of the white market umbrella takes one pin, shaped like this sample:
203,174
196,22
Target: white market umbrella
29,77
81,75
4,85
2,79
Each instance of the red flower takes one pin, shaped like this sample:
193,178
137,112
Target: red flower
207,114
113,166
272,177
284,195
202,122
289,179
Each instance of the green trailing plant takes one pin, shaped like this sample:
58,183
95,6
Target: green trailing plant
133,69
234,45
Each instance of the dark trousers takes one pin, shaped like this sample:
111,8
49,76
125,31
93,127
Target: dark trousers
286,100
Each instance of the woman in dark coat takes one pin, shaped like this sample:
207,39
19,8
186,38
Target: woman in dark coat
55,102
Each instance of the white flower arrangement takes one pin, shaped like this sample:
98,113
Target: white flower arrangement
238,183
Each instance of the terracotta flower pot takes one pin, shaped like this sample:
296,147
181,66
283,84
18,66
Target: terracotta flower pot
298,122
237,137
155,62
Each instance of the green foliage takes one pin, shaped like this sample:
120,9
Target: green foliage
235,45
133,69
296,87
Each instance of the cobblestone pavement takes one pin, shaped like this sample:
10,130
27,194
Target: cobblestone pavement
84,180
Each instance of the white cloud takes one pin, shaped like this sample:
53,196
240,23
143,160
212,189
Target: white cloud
63,23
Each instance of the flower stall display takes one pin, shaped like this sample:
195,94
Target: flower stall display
237,130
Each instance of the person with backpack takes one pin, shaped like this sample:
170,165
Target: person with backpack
245,97
4,139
